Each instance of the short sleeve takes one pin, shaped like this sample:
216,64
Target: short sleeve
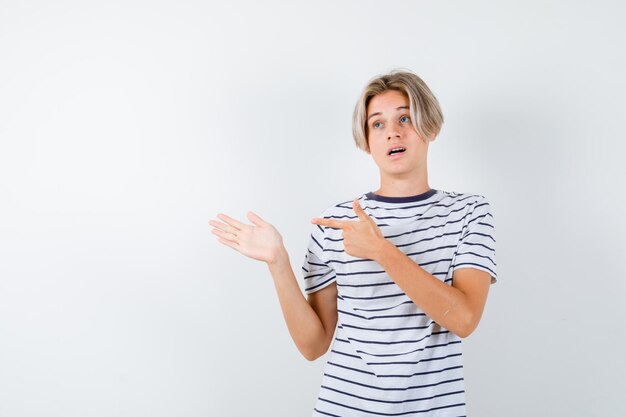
477,248
316,271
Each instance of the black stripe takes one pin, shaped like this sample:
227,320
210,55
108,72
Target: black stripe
316,275
391,316
344,274
345,354
387,355
393,414
397,342
370,310
320,284
403,388
438,371
359,273
427,239
350,368
389,343
472,263
479,244
338,365
325,413
390,329
376,297
366,285
318,243
315,263
479,234
393,402
377,284
427,250
477,254
452,355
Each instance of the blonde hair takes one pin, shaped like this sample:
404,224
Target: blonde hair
426,115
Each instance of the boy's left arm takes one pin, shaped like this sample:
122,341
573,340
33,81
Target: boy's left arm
458,308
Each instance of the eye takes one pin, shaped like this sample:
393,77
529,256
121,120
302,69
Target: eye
376,125
405,119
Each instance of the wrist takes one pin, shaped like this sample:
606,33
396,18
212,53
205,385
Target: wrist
381,249
279,257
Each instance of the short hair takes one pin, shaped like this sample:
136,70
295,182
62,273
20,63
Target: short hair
426,115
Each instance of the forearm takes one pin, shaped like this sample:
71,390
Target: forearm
305,327
443,303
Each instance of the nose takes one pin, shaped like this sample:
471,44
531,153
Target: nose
393,132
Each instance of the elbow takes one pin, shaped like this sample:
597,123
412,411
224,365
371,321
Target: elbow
314,351
311,355
464,332
466,328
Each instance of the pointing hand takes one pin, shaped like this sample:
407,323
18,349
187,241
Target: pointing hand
361,238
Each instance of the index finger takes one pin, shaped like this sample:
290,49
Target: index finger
231,221
336,224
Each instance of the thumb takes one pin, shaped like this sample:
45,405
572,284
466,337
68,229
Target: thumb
255,219
359,211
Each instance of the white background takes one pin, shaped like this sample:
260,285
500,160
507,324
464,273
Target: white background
125,126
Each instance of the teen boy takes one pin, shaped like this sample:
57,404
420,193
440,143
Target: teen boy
394,278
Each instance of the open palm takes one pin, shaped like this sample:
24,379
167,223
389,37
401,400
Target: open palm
260,241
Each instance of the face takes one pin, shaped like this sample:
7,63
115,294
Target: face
389,126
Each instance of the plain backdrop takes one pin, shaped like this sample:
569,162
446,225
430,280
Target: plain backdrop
126,125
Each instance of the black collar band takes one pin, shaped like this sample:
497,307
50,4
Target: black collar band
409,199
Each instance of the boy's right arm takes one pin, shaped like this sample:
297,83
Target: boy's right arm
311,322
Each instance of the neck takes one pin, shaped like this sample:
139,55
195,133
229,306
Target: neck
403,187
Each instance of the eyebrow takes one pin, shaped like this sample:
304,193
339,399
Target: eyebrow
379,113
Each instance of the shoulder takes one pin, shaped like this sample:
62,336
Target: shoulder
463,198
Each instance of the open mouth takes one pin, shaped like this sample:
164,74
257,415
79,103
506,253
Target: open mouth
396,150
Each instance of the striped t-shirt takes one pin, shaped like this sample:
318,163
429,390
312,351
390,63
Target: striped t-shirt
388,358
